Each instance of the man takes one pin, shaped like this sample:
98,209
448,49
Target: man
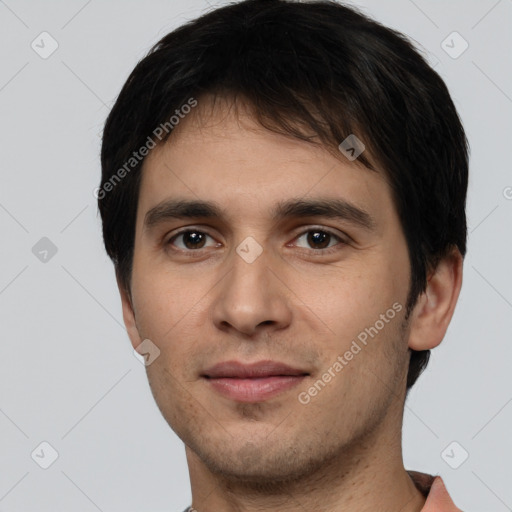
283,197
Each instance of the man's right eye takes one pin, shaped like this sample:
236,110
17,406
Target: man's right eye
192,240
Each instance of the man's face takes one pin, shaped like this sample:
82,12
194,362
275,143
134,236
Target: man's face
252,287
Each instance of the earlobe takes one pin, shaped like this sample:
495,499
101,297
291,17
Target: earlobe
434,309
128,315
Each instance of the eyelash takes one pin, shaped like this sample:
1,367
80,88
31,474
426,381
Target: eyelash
328,250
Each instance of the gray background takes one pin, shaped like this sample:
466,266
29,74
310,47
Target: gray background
68,375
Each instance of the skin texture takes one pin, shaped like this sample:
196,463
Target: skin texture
296,304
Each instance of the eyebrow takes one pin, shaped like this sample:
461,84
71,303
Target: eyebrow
339,209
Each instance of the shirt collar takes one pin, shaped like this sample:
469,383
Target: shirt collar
433,488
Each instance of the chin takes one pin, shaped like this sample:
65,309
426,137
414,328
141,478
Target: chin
258,465
262,474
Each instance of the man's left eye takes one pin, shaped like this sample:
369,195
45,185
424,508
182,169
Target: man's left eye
319,239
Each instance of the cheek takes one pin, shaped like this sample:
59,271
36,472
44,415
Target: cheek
361,311
162,298
350,298
169,310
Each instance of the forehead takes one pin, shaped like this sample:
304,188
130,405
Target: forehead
220,153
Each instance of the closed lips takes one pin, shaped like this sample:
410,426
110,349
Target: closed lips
260,369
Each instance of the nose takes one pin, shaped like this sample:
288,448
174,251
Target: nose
252,297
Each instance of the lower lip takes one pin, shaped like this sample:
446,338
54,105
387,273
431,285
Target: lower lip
256,389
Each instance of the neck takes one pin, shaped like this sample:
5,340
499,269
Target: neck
367,476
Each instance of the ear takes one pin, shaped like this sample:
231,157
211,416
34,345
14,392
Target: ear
434,309
128,315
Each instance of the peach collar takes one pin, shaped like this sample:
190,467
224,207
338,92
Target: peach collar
433,488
